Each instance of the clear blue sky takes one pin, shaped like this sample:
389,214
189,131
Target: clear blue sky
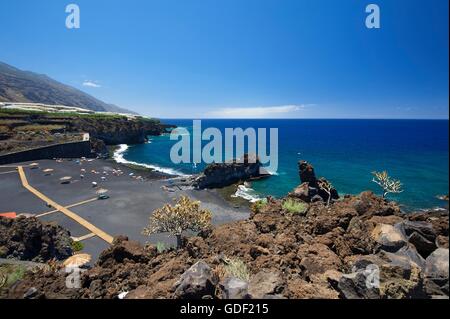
253,58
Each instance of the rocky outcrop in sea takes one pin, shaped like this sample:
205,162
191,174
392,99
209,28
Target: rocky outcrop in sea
220,175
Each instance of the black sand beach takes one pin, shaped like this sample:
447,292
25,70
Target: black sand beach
126,212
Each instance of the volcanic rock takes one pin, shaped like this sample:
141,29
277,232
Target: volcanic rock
436,273
265,284
30,239
388,237
218,175
310,186
196,283
123,251
358,285
421,235
234,288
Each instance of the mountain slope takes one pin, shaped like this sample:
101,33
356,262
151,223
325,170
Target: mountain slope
29,87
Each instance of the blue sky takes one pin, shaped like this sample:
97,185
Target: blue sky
240,58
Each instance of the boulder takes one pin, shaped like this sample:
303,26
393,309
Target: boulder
388,275
265,284
125,251
196,283
234,288
401,276
317,259
412,255
436,273
302,192
310,189
368,204
31,293
30,239
388,237
421,235
358,285
356,240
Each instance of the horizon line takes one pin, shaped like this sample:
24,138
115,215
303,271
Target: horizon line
310,118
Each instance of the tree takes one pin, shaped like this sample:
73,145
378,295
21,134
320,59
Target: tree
184,215
388,184
327,187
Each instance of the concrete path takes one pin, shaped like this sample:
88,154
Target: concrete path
100,233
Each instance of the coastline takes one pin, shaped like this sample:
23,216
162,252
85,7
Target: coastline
242,196
243,192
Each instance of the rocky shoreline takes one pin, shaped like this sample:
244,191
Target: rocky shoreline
346,247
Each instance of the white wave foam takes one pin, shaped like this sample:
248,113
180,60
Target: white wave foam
246,193
119,158
272,173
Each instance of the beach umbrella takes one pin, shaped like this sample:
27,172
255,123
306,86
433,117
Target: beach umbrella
77,260
101,191
65,179
48,171
34,165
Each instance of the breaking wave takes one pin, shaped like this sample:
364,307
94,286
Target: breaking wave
247,193
119,158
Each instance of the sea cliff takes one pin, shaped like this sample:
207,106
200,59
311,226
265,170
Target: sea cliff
21,130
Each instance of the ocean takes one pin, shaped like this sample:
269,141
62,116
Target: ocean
344,151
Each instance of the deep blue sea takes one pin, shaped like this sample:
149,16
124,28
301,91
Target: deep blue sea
343,151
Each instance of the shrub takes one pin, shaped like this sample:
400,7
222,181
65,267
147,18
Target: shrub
161,247
236,268
295,207
10,274
77,246
186,214
388,184
259,205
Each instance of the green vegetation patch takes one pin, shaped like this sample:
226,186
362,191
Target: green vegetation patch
39,128
161,247
295,207
237,268
259,205
77,246
10,274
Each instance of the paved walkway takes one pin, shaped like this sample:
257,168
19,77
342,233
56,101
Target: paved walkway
93,229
